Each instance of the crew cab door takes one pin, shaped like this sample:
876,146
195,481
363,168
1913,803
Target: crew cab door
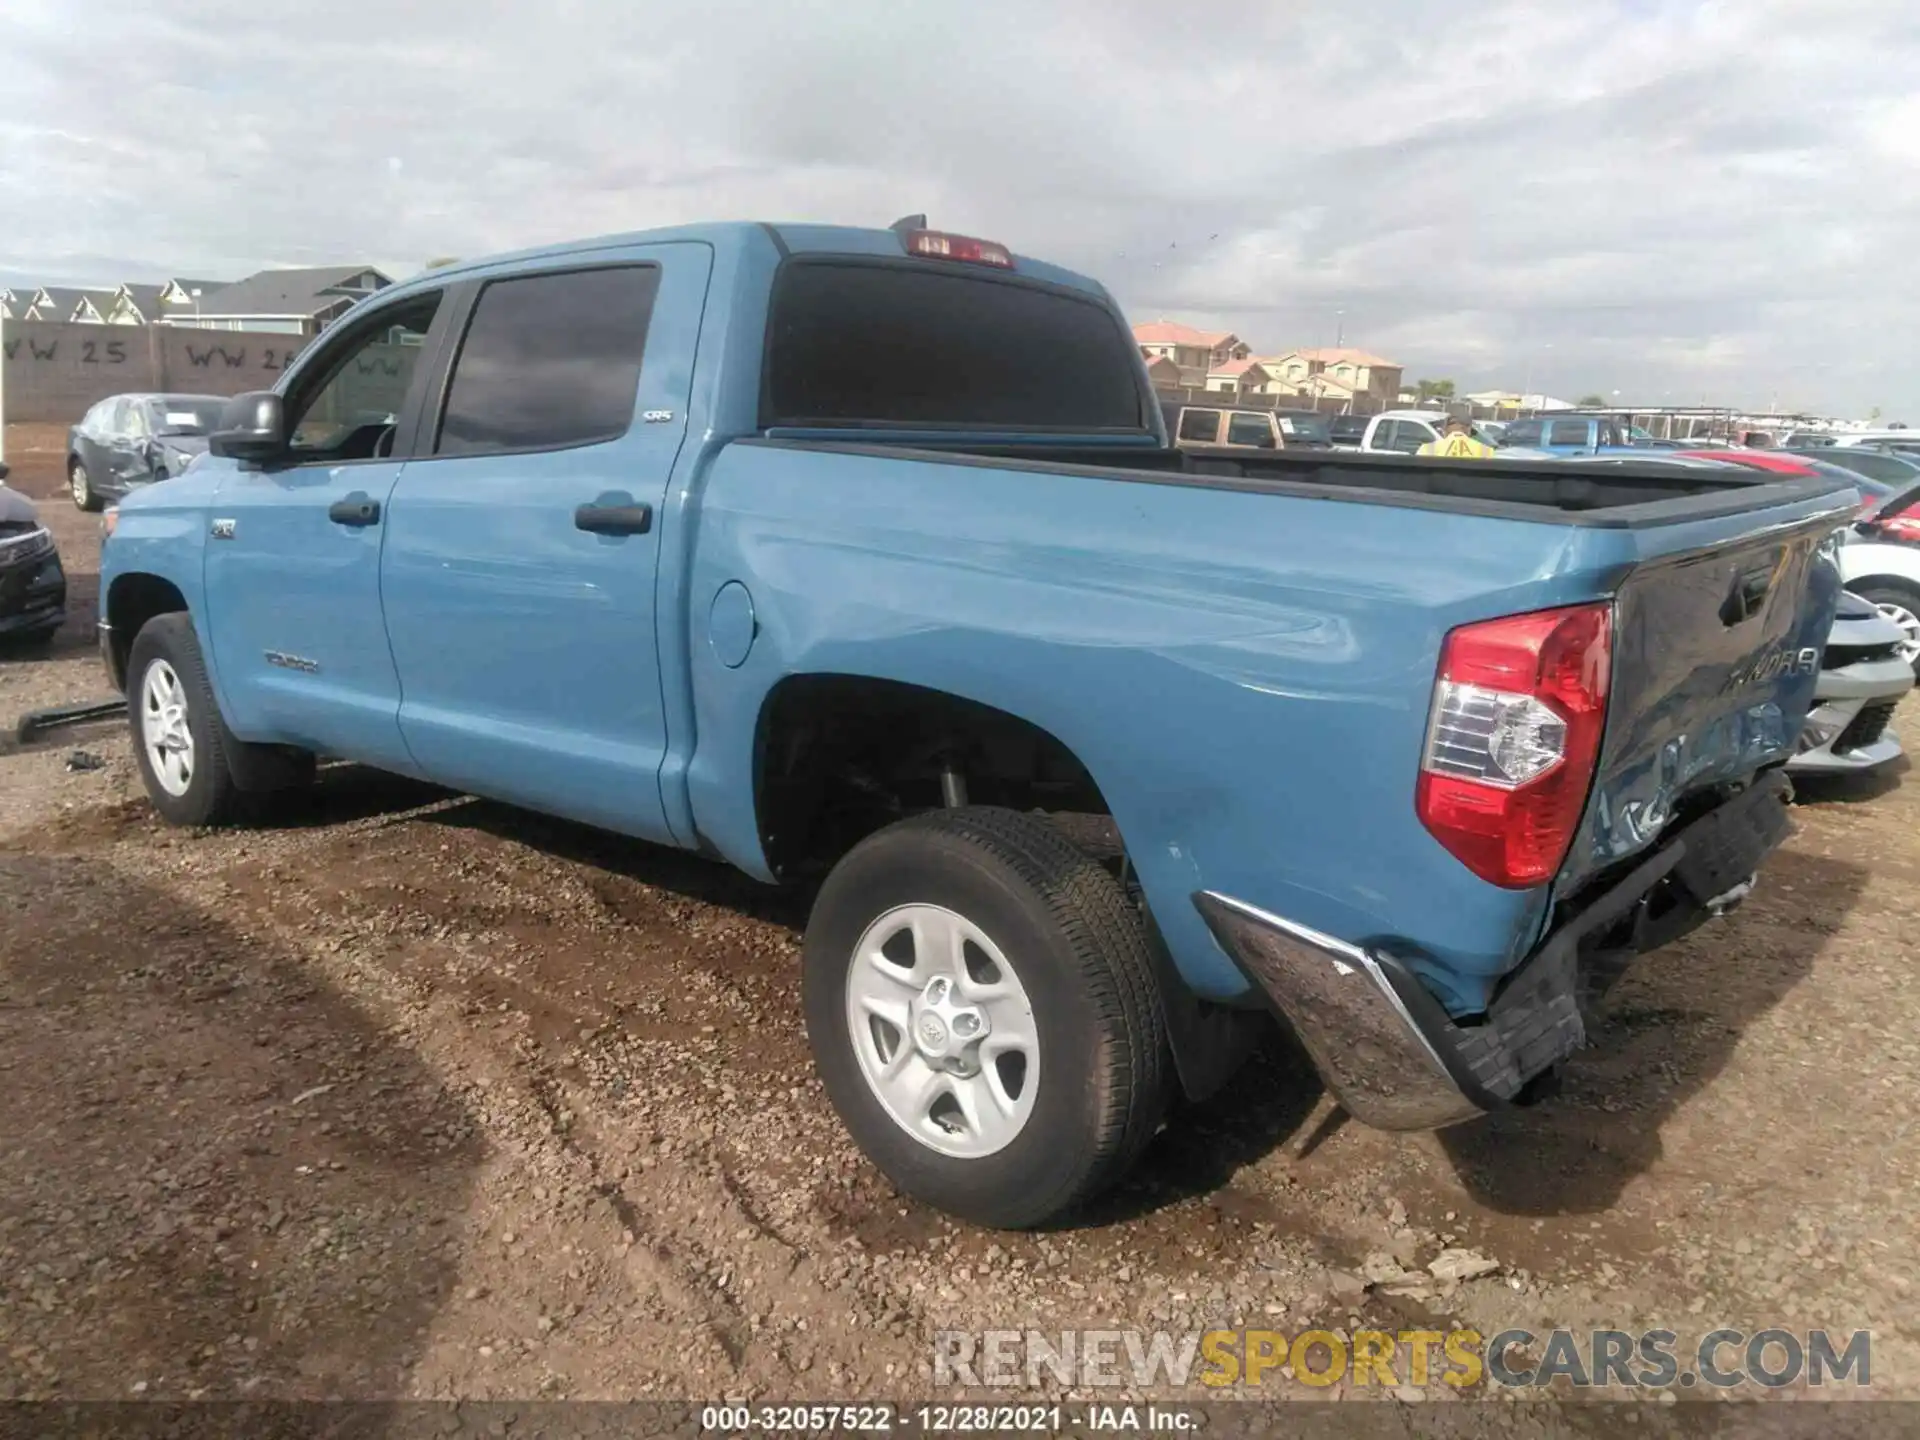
524,540
293,551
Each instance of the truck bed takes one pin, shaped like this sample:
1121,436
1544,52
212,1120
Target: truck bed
1623,496
1291,608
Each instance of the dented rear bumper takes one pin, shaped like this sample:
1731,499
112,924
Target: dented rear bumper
1386,1047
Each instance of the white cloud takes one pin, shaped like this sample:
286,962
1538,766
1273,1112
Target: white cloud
1661,196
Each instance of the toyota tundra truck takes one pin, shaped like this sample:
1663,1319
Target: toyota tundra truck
860,559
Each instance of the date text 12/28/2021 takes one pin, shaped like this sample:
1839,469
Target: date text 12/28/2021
946,1419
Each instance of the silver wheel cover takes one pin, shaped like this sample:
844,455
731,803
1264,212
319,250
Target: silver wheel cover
943,1031
163,728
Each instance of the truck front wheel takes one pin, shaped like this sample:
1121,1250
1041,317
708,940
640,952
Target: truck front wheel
983,1010
191,765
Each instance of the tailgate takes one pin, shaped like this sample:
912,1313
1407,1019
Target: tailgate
1716,654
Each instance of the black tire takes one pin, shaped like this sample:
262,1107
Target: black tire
1080,951
80,485
1892,592
210,796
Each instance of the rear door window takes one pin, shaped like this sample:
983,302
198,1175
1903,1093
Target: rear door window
1200,426
550,361
1245,429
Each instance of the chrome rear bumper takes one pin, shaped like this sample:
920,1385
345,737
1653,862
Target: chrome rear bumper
1350,1009
1389,1051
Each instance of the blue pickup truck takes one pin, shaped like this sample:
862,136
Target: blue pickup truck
860,560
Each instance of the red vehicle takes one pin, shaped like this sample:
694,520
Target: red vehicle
1754,460
1896,519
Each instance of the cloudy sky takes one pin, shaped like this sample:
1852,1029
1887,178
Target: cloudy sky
1675,199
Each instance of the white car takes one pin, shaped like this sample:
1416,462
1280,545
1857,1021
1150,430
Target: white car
1881,564
1901,442
1863,676
1403,432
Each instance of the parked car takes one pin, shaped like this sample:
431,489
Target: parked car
1402,431
1881,562
1884,467
1211,426
1806,440
1566,434
33,586
1388,757
1405,431
1304,429
130,440
1864,673
1345,432
1898,442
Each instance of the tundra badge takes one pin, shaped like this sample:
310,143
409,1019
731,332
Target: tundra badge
1771,664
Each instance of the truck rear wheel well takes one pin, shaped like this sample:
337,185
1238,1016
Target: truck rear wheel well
133,601
840,756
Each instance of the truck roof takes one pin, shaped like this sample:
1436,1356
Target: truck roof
734,235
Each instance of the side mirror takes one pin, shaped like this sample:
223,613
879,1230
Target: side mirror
252,427
4,471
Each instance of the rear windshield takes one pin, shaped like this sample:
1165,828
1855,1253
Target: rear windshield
852,344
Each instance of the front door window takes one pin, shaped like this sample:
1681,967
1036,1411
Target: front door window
350,410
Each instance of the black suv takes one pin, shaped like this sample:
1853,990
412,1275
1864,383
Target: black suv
33,587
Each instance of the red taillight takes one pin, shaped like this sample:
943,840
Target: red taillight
938,245
1513,737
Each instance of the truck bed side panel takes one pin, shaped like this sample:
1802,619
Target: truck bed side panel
1246,676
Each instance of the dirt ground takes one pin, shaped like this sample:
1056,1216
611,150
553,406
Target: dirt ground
413,1094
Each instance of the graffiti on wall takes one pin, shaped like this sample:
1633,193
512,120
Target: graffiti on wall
90,352
56,369
272,358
